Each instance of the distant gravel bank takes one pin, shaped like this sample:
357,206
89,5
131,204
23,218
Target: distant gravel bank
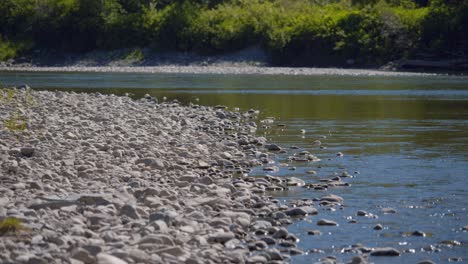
211,69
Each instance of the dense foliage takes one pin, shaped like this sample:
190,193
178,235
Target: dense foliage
297,32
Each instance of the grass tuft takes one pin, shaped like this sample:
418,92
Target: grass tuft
15,123
11,225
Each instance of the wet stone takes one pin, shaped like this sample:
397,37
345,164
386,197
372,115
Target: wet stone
325,222
388,211
314,232
316,251
281,233
328,260
332,198
301,211
272,147
287,244
274,254
418,233
426,261
358,260
293,181
362,213
385,251
296,251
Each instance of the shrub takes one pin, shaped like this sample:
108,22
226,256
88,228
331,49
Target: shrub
298,32
222,29
7,51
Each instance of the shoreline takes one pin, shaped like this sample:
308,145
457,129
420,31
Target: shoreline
222,69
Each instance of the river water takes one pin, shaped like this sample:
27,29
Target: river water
404,140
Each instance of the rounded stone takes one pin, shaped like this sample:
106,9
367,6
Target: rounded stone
325,222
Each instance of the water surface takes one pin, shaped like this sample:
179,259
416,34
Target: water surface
404,140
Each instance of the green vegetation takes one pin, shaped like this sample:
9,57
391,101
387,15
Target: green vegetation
11,225
16,122
297,32
134,55
7,94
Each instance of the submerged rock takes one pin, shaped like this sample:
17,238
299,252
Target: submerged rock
385,251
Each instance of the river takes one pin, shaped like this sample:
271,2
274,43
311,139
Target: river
404,141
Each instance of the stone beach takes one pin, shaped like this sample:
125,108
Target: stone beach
108,179
215,69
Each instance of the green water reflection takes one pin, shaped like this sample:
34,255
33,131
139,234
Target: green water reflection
320,107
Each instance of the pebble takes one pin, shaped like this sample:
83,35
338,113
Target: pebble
130,211
27,151
256,259
332,198
83,255
281,233
221,237
388,211
103,258
272,147
314,232
418,233
296,251
293,181
358,260
301,211
362,213
426,261
385,251
378,227
325,222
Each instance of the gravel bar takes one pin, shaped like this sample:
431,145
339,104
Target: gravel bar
108,179
243,70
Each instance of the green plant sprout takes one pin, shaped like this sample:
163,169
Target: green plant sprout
15,122
7,94
12,225
28,97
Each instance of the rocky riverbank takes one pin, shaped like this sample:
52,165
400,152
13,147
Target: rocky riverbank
89,178
217,69
251,60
